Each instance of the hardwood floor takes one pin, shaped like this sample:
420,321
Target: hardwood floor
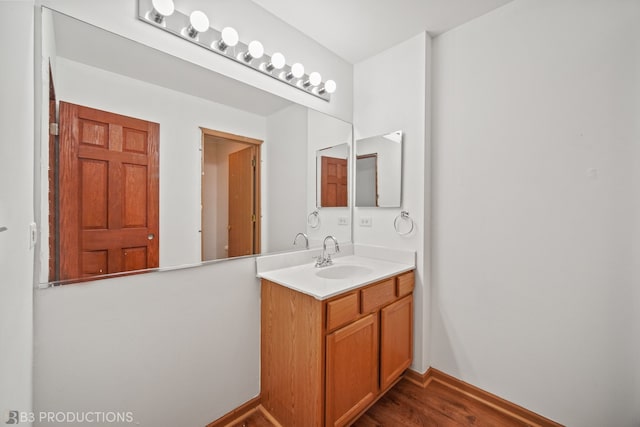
408,404
255,418
443,402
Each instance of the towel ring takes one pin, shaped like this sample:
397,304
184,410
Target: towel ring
313,219
404,215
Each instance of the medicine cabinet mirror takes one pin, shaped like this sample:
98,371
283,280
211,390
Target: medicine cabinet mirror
379,171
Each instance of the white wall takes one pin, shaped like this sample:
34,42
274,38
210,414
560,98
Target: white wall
636,252
535,124
176,348
251,21
16,205
380,108
285,160
180,141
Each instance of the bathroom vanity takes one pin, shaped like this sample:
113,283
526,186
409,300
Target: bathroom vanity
332,348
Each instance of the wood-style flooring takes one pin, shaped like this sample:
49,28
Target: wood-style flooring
254,419
410,405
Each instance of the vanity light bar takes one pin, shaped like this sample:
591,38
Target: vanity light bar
195,28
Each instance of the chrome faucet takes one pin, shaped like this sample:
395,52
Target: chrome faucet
325,259
306,240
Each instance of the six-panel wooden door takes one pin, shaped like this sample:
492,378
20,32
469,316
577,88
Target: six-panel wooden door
109,192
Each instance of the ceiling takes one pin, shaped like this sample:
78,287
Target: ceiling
358,29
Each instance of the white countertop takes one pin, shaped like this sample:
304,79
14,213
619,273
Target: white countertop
304,278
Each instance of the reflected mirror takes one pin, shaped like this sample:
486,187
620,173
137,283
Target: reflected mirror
379,171
202,123
332,166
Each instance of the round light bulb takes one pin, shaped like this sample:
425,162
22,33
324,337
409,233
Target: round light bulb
199,21
330,86
230,36
256,50
297,70
163,7
315,78
278,61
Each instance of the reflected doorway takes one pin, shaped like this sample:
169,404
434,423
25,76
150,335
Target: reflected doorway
367,180
230,195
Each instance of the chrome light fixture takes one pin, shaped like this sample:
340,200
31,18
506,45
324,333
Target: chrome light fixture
297,71
229,38
255,50
198,23
160,9
314,80
329,87
196,28
277,62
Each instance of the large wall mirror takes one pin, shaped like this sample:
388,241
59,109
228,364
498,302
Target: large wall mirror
379,171
194,165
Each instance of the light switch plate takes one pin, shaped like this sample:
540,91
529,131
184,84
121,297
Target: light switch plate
33,235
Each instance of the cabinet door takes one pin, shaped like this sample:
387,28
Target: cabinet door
352,370
396,340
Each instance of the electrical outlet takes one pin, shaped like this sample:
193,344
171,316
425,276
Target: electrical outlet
366,221
343,220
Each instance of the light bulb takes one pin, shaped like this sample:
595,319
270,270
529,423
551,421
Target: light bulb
229,38
278,61
330,86
161,9
315,78
256,50
297,70
198,23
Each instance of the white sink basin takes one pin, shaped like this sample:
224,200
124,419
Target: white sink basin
344,271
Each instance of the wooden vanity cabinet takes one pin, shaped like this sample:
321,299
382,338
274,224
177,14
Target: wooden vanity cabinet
396,340
352,369
323,363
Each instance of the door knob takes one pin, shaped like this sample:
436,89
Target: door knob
151,236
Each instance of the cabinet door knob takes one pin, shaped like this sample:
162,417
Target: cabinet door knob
151,236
